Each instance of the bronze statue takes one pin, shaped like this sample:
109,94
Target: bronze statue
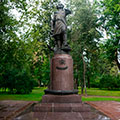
59,27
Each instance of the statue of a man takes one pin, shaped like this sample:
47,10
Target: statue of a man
59,26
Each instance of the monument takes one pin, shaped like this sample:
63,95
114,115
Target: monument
61,101
61,80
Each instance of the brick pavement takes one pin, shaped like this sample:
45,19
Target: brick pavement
62,111
109,108
10,108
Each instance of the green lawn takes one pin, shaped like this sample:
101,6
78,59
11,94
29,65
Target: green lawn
106,95
98,92
100,99
37,94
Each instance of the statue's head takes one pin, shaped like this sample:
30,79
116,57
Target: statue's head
60,6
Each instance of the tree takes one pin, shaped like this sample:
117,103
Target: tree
15,54
6,34
84,37
107,54
40,34
37,17
110,20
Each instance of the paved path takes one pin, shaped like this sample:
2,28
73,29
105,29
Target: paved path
60,116
63,111
109,108
10,108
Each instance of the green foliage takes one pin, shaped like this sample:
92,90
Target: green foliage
110,20
109,82
25,57
84,37
102,74
23,44
42,71
45,69
17,81
15,57
94,82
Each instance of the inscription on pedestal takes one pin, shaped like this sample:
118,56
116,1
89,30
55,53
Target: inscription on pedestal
62,62
62,68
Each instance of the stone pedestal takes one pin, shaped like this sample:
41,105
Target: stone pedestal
61,92
61,75
62,72
74,98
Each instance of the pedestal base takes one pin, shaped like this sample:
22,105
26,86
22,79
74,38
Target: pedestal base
61,98
61,92
63,107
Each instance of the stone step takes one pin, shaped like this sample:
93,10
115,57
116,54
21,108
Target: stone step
61,98
65,116
61,107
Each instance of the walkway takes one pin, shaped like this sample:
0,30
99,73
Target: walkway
10,109
109,108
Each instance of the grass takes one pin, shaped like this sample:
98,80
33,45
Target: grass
100,99
37,94
98,92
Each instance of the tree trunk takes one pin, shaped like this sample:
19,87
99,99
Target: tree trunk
88,82
82,87
84,72
116,59
77,82
39,82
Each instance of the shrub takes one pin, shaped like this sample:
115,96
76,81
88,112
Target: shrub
110,82
18,81
95,83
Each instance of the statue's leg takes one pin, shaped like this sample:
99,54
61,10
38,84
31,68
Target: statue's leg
59,44
55,43
56,46
65,39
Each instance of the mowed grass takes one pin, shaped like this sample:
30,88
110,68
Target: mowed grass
98,92
94,94
35,95
100,99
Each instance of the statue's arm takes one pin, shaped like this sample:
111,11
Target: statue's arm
52,26
67,12
53,22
